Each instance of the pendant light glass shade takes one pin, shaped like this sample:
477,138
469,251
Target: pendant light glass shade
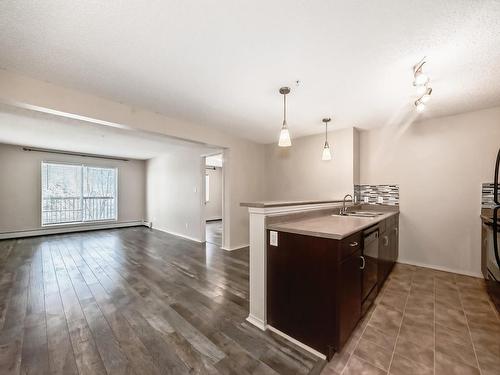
284,140
327,155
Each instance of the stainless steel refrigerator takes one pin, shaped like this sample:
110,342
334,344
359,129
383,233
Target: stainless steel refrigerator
493,242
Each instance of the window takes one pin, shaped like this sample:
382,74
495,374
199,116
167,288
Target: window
78,193
207,187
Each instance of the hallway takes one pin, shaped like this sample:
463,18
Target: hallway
214,232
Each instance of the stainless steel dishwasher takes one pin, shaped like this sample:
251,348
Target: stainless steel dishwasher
369,267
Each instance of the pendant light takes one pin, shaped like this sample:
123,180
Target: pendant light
327,155
284,140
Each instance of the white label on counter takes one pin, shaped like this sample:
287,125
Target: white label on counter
273,238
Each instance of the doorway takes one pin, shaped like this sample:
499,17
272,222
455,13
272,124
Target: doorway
213,199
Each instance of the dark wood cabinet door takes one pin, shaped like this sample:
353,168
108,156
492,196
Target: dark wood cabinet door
300,289
392,250
395,243
350,296
393,234
384,257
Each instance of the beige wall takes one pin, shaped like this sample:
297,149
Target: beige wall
20,183
213,208
298,172
439,166
243,160
174,193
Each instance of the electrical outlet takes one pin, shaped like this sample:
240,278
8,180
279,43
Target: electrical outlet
365,199
380,200
273,238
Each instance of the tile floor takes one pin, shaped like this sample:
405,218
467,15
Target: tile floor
425,322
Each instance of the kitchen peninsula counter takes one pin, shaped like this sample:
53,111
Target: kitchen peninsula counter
334,226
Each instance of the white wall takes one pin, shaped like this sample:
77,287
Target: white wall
298,173
439,165
243,160
175,192
213,208
20,184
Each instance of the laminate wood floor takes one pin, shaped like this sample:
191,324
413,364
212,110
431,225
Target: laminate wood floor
132,301
214,232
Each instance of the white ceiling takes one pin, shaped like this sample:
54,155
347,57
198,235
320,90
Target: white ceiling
221,62
34,129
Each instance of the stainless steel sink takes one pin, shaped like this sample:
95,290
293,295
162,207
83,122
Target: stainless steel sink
361,214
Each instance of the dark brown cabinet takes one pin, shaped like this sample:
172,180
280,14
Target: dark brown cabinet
301,288
314,289
388,247
350,297
314,284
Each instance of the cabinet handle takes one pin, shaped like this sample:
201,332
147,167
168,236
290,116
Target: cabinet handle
353,244
396,230
386,240
364,262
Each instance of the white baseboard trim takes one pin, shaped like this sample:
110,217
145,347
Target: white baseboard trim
263,326
296,342
256,322
178,235
234,248
441,268
68,229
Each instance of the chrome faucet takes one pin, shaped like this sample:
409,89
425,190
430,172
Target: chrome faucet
343,210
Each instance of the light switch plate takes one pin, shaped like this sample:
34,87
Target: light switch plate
273,238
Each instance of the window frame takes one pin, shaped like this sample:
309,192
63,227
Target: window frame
207,187
83,222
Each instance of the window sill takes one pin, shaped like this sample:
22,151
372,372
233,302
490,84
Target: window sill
79,223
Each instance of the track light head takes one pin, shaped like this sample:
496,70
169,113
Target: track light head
419,77
420,106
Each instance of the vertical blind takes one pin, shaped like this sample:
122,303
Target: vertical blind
78,193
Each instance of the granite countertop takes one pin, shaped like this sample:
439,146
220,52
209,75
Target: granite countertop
331,226
266,204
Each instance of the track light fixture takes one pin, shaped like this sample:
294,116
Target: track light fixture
421,83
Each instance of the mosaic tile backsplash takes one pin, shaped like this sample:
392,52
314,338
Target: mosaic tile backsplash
377,194
487,195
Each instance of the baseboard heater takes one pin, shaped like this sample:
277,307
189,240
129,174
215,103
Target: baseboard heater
70,229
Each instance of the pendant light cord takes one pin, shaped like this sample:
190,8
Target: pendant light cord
326,132
284,109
